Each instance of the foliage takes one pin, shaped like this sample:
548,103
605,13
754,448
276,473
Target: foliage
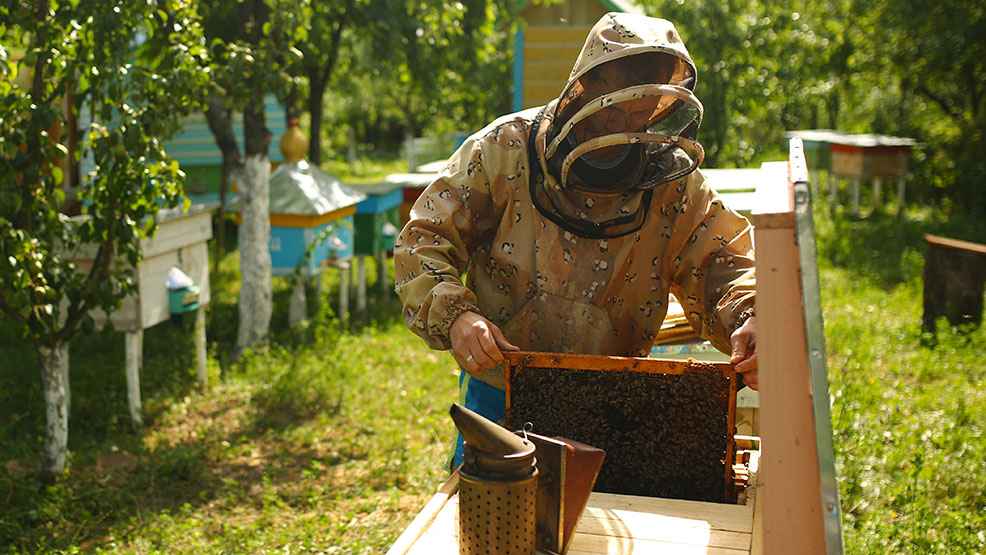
907,407
886,67
321,443
135,71
435,66
107,83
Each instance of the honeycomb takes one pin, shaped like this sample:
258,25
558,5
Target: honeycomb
666,426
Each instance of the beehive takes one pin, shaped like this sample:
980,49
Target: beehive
666,425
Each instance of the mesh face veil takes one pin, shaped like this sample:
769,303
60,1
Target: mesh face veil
644,99
625,126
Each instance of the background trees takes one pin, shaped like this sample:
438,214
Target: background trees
895,68
133,71
370,72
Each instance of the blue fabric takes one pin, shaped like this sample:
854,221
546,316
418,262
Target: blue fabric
481,398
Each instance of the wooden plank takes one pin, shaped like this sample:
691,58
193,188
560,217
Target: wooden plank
560,53
720,516
152,281
601,362
613,524
589,544
434,544
756,540
733,179
174,232
956,244
791,491
556,33
421,523
664,528
774,203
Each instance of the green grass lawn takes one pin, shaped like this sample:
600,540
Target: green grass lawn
329,440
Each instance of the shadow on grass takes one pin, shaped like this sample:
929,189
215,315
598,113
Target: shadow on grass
118,479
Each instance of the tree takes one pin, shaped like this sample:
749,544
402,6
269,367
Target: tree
251,47
442,60
321,53
136,68
936,56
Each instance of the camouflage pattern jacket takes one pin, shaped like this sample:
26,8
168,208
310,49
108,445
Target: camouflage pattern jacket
550,290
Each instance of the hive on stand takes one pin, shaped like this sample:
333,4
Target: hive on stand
667,426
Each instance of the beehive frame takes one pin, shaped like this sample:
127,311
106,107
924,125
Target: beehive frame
667,425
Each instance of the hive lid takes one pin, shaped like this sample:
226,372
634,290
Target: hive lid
301,188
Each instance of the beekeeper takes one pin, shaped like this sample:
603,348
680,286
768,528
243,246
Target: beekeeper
574,221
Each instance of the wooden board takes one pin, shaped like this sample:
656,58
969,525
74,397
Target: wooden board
613,524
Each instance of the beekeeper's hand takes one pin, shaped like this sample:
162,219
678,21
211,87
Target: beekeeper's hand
744,355
477,342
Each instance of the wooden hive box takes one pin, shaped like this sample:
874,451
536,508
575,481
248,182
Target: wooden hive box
667,426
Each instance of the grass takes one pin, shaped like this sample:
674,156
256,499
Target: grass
326,441
329,440
909,408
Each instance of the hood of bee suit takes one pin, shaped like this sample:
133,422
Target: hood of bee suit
624,124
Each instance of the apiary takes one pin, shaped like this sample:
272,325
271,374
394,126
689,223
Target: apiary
666,425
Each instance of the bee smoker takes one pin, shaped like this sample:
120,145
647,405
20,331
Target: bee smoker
497,488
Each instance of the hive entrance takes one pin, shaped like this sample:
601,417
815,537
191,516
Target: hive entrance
666,425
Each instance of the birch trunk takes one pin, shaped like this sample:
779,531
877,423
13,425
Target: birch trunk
54,378
255,265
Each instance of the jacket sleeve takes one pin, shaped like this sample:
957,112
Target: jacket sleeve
453,216
713,265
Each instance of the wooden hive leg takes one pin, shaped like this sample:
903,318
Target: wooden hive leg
200,355
361,284
134,342
382,275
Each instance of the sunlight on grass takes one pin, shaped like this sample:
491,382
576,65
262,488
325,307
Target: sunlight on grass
908,408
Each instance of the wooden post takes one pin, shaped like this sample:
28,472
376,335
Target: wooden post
344,293
954,277
855,195
901,182
383,275
361,284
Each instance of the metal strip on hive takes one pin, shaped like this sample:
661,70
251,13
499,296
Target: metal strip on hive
667,426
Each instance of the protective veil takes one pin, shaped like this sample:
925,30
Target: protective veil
625,124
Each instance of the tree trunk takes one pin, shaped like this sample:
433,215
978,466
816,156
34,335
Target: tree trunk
316,94
54,378
253,185
255,265
217,114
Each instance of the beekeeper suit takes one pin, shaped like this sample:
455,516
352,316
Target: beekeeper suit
574,221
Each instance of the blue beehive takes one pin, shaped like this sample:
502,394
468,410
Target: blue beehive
309,205
308,208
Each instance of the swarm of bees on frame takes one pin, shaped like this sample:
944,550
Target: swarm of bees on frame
664,435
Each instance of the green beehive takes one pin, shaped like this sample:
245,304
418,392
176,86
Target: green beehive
377,218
